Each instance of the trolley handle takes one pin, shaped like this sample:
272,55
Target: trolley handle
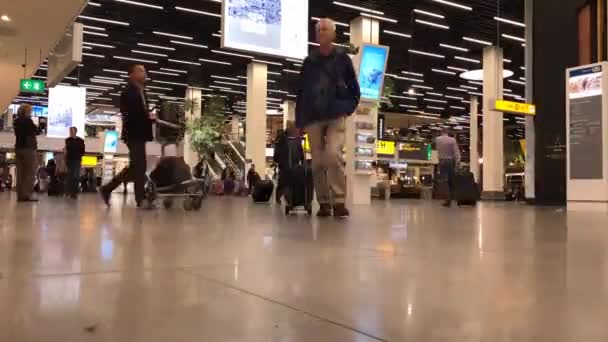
168,124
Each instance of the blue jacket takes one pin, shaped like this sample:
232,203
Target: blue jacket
328,88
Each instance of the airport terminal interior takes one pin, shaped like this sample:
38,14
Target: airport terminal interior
467,181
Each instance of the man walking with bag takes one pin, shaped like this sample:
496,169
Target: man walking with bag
329,92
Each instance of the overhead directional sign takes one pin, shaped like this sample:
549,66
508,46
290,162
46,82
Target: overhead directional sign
31,86
515,107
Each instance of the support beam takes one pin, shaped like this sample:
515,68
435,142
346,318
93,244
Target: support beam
289,112
493,128
194,97
474,137
257,78
530,172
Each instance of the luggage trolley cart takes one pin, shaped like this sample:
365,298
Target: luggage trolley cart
191,192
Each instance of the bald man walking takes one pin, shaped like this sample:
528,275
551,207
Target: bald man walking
329,92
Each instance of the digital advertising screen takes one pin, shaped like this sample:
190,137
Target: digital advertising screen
415,151
371,71
67,107
111,142
270,27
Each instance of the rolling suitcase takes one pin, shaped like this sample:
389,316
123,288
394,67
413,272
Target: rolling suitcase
300,189
466,191
262,192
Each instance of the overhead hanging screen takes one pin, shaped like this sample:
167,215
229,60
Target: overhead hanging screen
67,106
271,27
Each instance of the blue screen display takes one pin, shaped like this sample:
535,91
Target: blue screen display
111,142
371,72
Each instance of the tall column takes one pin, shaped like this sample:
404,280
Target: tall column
474,138
195,100
493,131
530,181
257,78
289,112
234,128
362,30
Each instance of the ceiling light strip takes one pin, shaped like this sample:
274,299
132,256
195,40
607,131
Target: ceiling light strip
358,8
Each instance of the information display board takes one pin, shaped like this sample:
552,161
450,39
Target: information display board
271,27
371,71
111,142
67,106
586,143
415,151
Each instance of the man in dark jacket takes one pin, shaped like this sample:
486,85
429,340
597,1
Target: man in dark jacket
25,153
74,150
136,132
329,92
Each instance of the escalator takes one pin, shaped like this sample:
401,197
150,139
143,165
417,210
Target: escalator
215,166
235,156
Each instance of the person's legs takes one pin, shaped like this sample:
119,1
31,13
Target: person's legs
19,161
137,158
28,163
73,178
335,165
316,137
446,171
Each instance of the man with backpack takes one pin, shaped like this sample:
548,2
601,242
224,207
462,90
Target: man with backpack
329,92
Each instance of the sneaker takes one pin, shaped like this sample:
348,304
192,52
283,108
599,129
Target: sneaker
105,195
447,204
341,211
324,210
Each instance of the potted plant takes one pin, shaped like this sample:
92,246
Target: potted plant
205,131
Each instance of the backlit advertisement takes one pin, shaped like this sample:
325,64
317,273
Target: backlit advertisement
67,106
111,142
371,71
271,27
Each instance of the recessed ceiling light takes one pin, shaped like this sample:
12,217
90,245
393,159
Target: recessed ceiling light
172,35
508,36
156,47
359,8
135,59
379,17
454,4
141,4
189,44
190,10
150,53
214,61
412,73
509,21
428,23
5,17
430,14
115,22
467,59
478,41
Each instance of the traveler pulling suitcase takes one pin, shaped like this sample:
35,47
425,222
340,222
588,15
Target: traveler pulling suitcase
466,191
262,192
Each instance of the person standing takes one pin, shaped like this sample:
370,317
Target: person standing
329,92
136,132
74,149
449,158
25,153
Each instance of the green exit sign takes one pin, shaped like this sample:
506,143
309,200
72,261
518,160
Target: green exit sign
31,86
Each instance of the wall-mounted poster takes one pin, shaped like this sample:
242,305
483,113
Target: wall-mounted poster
371,71
271,27
67,106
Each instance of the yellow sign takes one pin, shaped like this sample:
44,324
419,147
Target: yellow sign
385,147
306,144
515,107
89,161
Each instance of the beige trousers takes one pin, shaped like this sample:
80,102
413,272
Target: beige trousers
25,158
326,142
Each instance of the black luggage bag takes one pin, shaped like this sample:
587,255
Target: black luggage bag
466,191
262,191
300,189
170,171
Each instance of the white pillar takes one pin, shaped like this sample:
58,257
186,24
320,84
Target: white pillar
195,99
493,131
257,78
362,30
474,138
234,128
289,112
530,177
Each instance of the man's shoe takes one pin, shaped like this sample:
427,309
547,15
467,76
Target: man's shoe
324,210
447,204
341,211
105,195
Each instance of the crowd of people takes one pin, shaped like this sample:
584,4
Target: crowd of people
328,93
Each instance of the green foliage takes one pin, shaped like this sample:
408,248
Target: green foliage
205,131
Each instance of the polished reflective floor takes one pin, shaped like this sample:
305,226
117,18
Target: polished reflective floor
235,271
